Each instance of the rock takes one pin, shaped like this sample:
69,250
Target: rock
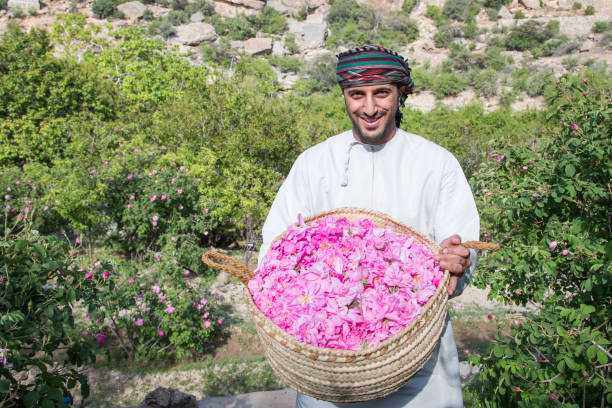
195,33
132,10
387,5
197,17
587,46
169,398
571,26
278,48
317,18
313,4
230,10
530,4
295,27
314,35
237,45
24,5
287,7
256,46
504,13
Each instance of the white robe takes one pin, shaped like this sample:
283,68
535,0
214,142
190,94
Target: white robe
413,181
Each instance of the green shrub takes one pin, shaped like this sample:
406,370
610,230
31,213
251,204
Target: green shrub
41,354
530,35
162,27
519,79
286,64
495,59
3,4
408,6
537,84
576,6
153,315
456,9
485,82
470,30
320,75
301,14
589,10
600,26
18,13
220,54
269,21
42,97
290,44
570,63
147,15
177,17
447,84
465,61
234,28
437,16
546,201
506,99
103,8
519,15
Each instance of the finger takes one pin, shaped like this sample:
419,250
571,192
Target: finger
457,250
452,285
450,241
454,264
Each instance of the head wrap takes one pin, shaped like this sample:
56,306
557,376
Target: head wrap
373,65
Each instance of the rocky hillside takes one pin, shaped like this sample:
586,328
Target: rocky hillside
461,49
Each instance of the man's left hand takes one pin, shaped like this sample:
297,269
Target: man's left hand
455,259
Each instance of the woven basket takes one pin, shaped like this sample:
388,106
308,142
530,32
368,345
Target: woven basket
348,375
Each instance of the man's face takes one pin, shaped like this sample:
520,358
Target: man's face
372,110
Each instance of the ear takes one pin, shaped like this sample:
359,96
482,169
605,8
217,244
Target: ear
402,91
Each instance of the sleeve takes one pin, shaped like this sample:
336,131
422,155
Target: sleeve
457,214
291,200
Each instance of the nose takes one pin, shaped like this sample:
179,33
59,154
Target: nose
369,107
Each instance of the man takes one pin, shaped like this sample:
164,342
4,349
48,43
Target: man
378,166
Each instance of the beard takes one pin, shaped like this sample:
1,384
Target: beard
383,135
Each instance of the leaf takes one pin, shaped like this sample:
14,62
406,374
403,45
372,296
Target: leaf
4,387
570,170
602,358
587,309
30,398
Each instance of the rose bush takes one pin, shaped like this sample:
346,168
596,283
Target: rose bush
548,203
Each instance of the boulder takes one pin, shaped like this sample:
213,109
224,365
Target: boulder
316,18
253,4
295,27
195,33
257,46
197,17
504,13
314,35
387,5
313,4
587,46
530,4
230,10
287,7
24,5
169,398
132,10
237,45
278,48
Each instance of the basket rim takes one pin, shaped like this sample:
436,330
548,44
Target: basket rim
387,343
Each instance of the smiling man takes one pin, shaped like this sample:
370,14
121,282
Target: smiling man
378,166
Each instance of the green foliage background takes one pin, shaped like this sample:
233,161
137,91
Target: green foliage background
87,123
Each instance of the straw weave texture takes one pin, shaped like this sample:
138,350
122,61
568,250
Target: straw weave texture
347,375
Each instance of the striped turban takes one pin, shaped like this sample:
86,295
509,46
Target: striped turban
373,65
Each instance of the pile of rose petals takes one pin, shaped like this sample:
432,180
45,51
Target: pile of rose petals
342,284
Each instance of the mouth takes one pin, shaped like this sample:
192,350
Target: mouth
370,122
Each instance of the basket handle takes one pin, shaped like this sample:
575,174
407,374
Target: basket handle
480,246
229,265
